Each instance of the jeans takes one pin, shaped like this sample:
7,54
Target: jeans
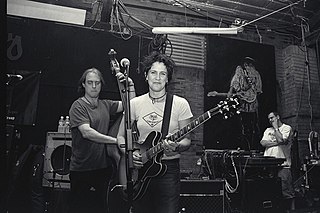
163,193
89,191
286,183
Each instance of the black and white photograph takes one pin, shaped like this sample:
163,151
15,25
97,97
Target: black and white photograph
160,106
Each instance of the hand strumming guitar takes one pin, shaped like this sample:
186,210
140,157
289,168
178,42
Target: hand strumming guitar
137,162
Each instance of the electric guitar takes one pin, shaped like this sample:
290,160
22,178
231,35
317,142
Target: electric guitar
249,95
152,148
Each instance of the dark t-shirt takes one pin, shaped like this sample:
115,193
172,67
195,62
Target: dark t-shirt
89,155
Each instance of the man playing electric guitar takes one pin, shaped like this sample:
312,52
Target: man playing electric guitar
246,84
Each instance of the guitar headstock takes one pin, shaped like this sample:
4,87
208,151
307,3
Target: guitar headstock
229,107
115,67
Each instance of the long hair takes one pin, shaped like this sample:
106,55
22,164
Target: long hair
84,75
158,57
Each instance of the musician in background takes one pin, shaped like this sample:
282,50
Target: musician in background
163,192
277,141
246,84
90,168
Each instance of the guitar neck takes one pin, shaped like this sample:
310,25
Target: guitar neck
183,131
226,108
193,125
220,94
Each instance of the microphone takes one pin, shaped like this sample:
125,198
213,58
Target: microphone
19,77
125,62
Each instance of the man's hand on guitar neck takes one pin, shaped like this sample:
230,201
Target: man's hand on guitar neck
170,148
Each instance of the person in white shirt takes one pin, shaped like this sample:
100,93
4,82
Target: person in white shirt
277,141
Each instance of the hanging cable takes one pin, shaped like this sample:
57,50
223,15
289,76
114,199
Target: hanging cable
119,10
228,187
99,9
318,56
305,28
269,14
260,37
159,43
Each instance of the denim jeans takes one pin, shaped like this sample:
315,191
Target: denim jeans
89,191
163,193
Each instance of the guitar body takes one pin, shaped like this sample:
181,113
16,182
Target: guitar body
152,168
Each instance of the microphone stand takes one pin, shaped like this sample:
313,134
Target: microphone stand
129,144
124,93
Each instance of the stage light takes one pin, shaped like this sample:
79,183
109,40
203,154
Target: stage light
195,30
43,11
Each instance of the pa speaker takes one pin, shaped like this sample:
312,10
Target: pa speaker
202,196
57,160
262,195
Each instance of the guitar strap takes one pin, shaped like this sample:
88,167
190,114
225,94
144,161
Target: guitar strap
166,116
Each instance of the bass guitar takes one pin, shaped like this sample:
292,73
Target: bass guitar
112,150
152,148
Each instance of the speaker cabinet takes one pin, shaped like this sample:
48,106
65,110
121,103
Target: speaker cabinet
202,196
262,195
57,160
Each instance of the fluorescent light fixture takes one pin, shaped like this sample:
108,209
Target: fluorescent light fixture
196,30
50,12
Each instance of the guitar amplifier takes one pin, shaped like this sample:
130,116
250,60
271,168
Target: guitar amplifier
202,196
57,160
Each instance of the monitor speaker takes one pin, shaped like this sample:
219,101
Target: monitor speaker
57,160
202,196
262,195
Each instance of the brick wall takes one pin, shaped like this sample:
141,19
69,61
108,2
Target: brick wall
301,90
300,93
188,83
